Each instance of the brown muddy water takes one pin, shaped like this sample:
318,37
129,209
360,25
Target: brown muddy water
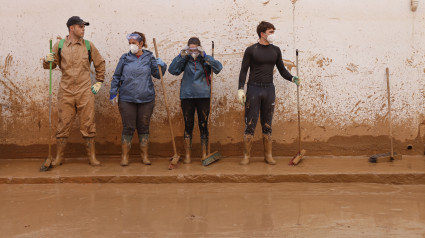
212,210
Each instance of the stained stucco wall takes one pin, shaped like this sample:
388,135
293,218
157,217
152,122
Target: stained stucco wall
344,46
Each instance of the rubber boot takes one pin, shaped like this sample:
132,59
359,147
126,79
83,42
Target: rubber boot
247,144
60,149
187,149
91,152
144,146
267,141
204,148
125,147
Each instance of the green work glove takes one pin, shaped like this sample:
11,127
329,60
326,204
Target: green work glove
296,80
96,87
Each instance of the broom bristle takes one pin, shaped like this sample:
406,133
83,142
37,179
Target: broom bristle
211,158
297,158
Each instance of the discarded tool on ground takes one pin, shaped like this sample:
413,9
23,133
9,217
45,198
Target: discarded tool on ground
46,164
175,159
211,157
297,158
391,155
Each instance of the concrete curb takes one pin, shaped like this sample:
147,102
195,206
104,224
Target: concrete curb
407,179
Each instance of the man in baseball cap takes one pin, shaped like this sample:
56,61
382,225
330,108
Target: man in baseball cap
74,55
76,20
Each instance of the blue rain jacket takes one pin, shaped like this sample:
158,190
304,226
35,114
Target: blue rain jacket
132,77
194,82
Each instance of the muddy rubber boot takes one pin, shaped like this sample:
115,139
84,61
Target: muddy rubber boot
144,146
187,149
60,149
247,144
267,141
204,148
91,152
125,147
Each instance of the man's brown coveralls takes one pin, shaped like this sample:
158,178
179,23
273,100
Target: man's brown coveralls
75,95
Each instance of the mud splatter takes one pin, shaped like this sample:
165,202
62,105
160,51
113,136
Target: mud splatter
289,64
7,64
266,2
352,68
324,62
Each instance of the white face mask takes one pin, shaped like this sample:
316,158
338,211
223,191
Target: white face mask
134,48
195,55
271,38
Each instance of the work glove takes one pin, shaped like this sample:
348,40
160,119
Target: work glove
241,97
50,57
296,80
160,62
96,87
184,52
113,99
201,51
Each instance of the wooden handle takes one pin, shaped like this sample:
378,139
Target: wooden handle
298,104
389,111
211,88
165,99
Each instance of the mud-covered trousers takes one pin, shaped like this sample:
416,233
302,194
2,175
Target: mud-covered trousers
135,116
202,107
80,103
260,100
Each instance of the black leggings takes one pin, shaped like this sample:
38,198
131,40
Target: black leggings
202,106
259,99
135,115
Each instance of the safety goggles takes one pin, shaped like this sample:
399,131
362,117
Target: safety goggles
193,50
134,37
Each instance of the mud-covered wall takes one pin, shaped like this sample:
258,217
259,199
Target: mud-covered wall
344,46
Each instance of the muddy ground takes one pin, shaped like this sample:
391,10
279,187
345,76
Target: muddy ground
212,210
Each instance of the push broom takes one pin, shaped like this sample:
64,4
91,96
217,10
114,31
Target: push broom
391,155
46,165
297,158
175,159
211,157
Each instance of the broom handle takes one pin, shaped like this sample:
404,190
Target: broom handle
211,88
165,99
50,102
298,105
389,111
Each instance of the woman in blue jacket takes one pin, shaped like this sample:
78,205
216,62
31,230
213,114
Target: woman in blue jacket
195,90
132,82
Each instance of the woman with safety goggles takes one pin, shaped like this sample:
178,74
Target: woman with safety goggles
132,88
195,88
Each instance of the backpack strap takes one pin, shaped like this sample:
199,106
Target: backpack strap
61,42
60,50
88,48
